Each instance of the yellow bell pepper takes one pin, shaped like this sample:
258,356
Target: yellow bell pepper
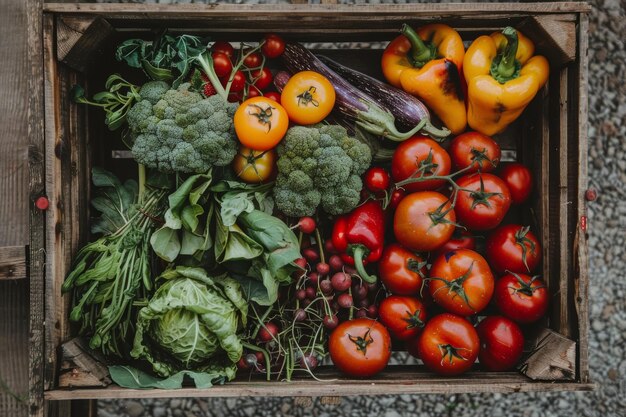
502,76
427,64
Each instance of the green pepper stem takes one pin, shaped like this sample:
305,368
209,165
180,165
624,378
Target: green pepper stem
420,53
506,67
358,253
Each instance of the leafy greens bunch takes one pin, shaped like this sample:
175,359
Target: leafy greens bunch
110,273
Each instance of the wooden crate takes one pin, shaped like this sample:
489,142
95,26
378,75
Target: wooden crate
78,43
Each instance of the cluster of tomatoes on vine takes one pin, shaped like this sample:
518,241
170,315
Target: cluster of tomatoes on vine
245,69
453,257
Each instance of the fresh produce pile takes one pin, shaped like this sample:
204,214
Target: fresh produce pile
289,210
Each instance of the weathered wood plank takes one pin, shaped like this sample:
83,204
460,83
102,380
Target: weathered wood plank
12,262
81,367
79,38
313,388
181,10
553,358
13,119
581,257
36,165
14,348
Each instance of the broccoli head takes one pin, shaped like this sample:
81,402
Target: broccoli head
179,130
319,164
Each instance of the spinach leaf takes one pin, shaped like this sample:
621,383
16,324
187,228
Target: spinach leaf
113,200
231,243
129,377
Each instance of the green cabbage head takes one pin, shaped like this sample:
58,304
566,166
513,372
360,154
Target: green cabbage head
192,323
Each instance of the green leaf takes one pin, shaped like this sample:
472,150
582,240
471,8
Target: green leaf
113,200
166,244
232,205
133,51
129,377
231,243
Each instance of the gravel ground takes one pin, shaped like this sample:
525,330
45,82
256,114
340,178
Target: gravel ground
607,230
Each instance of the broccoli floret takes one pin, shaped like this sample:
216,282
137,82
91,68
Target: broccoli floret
179,130
319,164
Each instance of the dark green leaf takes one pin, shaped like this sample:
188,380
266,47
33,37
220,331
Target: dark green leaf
129,377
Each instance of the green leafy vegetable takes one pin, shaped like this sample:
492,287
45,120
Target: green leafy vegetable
186,231
110,273
168,58
115,102
129,377
191,322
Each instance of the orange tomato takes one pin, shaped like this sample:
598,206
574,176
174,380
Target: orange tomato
254,166
260,123
308,97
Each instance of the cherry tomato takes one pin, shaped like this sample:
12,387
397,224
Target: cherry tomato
418,157
254,166
485,204
521,298
519,180
238,83
513,248
448,344
424,221
272,95
461,282
223,47
396,196
262,79
403,316
476,150
221,64
360,347
401,270
308,97
501,343
253,60
253,92
461,239
260,123
376,180
274,46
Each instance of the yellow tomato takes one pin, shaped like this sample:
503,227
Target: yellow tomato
308,97
254,166
260,123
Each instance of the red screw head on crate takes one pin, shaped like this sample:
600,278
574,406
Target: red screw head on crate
591,194
42,203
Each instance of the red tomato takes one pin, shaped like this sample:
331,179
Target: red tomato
482,202
401,270
424,221
376,180
501,343
262,78
221,64
274,46
418,157
476,150
253,92
238,83
360,347
223,47
253,60
403,316
272,95
448,344
396,196
513,248
461,282
521,298
519,180
460,239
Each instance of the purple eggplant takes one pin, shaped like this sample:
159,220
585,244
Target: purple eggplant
407,109
350,101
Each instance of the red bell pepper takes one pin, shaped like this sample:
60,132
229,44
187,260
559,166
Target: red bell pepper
359,237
